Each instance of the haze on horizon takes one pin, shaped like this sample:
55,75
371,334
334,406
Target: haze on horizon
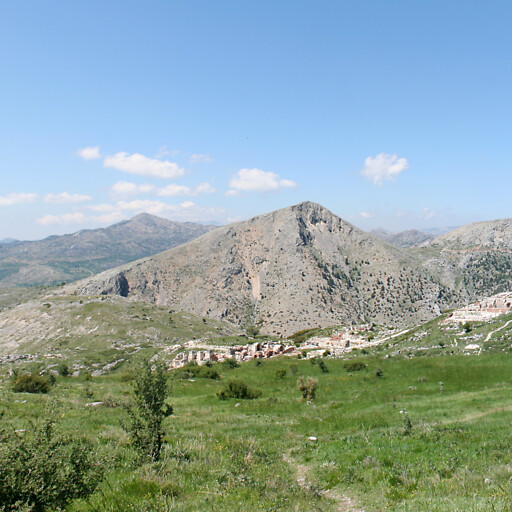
393,115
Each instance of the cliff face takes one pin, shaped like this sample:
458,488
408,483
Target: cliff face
287,270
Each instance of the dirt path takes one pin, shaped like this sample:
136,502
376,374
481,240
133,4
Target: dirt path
476,415
496,330
343,502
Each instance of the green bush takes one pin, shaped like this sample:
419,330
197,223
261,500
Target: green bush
281,373
308,388
193,370
150,393
230,364
354,366
323,367
31,383
63,370
42,470
237,388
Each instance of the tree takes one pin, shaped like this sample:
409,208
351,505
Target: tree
150,393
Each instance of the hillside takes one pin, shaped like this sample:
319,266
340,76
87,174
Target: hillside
475,259
87,252
287,270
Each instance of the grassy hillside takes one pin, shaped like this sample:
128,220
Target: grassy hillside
420,434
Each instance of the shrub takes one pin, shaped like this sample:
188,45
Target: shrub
42,470
379,372
301,336
253,331
150,393
237,388
294,368
354,366
281,373
191,370
323,367
230,364
307,387
63,370
31,383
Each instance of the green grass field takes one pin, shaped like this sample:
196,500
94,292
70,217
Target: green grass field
401,441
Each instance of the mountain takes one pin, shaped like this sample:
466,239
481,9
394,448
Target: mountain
287,270
495,234
408,238
8,241
70,257
475,259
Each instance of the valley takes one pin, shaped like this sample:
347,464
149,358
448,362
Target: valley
409,400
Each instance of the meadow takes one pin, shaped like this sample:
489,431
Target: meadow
421,434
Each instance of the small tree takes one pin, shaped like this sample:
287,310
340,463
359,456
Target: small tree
150,392
308,388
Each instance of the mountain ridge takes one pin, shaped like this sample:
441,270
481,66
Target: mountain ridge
76,255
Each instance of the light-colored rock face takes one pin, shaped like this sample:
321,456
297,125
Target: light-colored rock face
495,234
475,259
288,270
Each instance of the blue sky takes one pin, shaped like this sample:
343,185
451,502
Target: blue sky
394,114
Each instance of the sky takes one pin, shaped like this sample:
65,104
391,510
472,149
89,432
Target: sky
394,114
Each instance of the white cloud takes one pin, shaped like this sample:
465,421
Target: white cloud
186,211
204,188
66,218
143,166
182,190
232,193
65,197
428,213
258,181
383,167
163,151
21,198
367,215
126,188
174,190
89,153
200,158
110,218
102,207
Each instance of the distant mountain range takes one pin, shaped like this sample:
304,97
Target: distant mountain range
409,238
87,252
287,270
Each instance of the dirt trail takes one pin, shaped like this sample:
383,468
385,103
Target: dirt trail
476,415
343,502
496,330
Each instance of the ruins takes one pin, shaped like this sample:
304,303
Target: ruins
482,310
